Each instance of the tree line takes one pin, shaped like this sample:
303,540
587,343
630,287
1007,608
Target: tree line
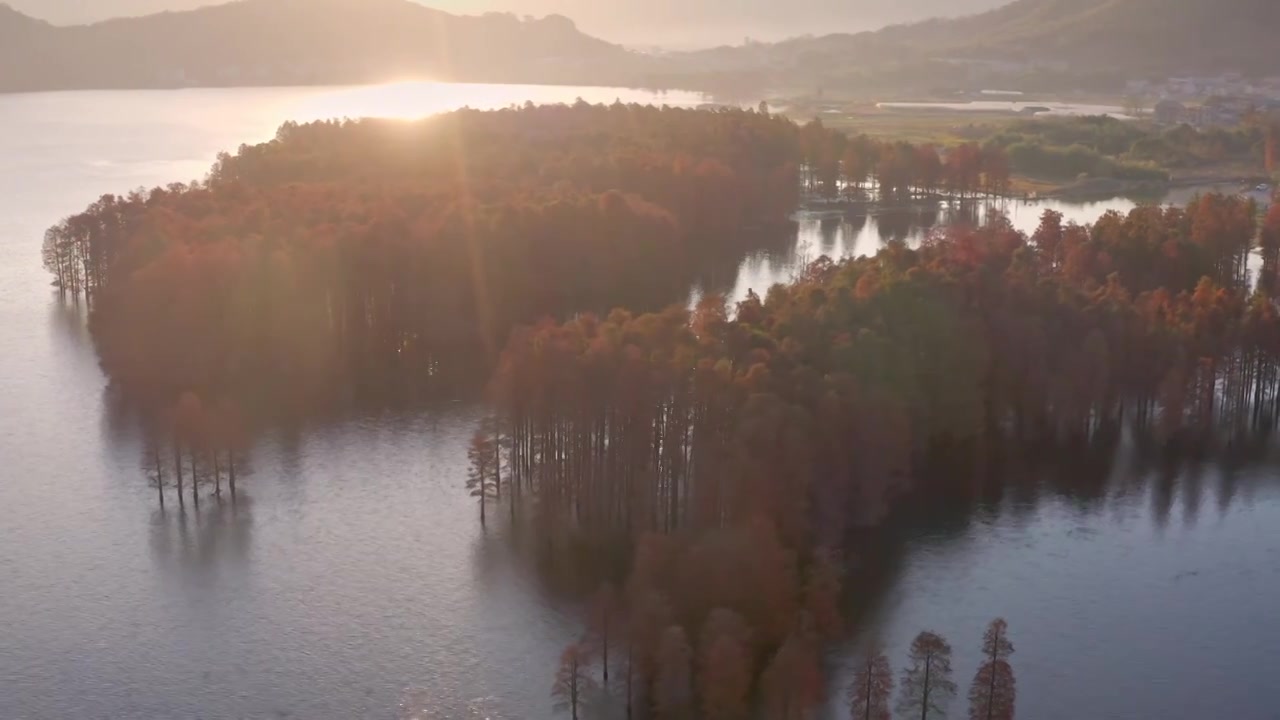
837,165
712,676
733,454
811,405
190,446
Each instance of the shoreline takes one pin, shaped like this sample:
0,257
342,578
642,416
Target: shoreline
1094,188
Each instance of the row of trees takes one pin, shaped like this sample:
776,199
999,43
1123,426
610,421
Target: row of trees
194,446
1065,147
926,686
836,164
713,678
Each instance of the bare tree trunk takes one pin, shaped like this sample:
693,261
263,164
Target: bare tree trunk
991,689
231,469
604,641
870,665
497,460
924,704
630,674
177,465
155,454
195,483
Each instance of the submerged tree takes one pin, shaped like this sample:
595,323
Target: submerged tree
673,684
648,615
871,688
573,680
927,687
822,593
191,428
605,622
993,692
792,684
484,476
153,464
725,667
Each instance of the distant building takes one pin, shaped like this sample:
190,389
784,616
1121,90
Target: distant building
1169,112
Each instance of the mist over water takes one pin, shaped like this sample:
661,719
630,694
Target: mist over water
351,579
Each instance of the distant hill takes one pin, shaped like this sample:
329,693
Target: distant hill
1043,41
679,23
285,42
1150,35
18,28
1038,44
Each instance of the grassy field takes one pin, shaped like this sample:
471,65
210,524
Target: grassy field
917,126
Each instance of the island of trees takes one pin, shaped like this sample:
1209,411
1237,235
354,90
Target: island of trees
736,451
711,464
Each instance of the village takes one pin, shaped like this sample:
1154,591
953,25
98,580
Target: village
1226,100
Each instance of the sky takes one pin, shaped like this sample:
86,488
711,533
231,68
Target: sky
670,23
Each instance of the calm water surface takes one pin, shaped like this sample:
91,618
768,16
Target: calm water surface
352,579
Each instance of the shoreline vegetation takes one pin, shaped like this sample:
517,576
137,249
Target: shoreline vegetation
713,465
1080,157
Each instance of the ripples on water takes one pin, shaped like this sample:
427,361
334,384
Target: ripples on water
351,578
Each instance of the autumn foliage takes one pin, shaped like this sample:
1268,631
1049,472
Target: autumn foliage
871,688
927,687
993,692
734,450
360,257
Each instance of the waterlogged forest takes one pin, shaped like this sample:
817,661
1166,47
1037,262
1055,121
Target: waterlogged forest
709,468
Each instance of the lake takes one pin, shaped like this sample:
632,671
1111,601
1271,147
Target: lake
352,579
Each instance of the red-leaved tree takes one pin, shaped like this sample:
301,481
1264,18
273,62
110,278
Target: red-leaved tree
725,668
926,681
871,688
992,694
573,681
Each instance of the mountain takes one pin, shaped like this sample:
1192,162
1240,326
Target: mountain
1029,44
1141,35
682,23
16,28
286,42
1032,44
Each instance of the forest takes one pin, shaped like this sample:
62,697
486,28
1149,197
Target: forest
354,255
375,258
1063,148
822,394
712,464
736,453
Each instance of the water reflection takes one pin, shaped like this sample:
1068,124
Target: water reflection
68,321
198,544
778,259
1068,542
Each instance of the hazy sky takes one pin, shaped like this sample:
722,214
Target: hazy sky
637,22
